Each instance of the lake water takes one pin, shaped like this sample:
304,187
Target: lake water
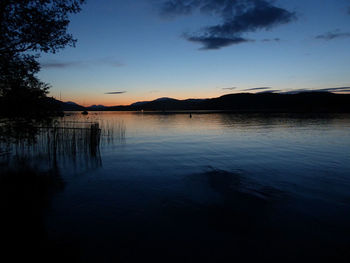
211,187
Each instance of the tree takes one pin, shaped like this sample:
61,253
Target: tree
28,27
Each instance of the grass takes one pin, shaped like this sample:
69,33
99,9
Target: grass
53,142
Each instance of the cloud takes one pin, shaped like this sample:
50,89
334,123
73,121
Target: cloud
60,65
231,88
115,92
338,89
334,90
260,88
217,42
271,40
238,17
333,35
106,61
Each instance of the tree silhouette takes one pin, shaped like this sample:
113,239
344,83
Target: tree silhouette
28,27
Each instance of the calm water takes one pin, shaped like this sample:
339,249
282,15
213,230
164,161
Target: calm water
216,187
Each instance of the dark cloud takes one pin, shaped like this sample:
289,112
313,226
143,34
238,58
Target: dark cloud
217,42
231,88
333,35
334,90
238,17
115,92
107,61
260,88
258,17
271,40
338,89
60,65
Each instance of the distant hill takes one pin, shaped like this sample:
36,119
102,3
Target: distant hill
250,102
96,107
71,106
140,103
240,102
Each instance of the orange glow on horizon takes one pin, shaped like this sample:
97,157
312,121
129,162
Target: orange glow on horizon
127,99
106,102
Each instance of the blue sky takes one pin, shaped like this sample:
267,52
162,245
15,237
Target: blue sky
137,48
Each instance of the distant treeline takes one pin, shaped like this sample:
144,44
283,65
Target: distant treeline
304,102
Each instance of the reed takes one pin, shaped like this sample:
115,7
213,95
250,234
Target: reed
58,142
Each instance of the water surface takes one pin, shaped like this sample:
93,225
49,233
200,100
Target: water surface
213,187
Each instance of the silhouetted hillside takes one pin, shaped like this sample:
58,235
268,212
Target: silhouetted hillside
240,102
248,102
97,107
272,102
71,106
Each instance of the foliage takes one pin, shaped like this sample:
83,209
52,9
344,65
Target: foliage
28,27
36,25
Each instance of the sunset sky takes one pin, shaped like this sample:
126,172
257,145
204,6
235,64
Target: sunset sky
129,51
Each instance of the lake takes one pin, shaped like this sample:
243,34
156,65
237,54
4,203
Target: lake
207,187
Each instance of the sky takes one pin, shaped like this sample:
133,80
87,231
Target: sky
130,51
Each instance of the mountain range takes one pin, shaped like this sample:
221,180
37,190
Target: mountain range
239,102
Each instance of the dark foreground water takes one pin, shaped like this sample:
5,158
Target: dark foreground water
166,187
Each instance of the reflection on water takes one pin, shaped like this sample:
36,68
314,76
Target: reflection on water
57,144
217,187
